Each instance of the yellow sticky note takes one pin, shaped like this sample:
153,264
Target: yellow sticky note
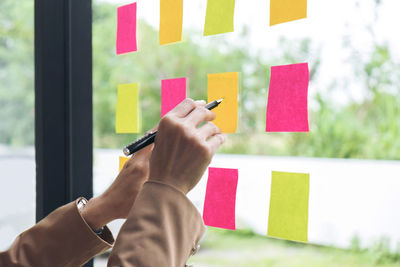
219,17
288,210
127,115
122,161
226,86
171,15
287,10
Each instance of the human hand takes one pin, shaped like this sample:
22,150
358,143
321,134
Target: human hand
182,150
117,200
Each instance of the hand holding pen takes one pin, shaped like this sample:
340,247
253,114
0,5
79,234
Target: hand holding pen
149,138
183,150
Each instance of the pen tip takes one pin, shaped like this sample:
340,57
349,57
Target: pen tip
220,100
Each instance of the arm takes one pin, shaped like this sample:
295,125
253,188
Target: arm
61,239
163,226
162,229
65,237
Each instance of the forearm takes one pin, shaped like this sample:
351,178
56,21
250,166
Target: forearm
61,239
97,213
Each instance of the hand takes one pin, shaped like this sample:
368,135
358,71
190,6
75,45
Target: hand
182,150
118,199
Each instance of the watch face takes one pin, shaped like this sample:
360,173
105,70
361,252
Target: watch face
81,203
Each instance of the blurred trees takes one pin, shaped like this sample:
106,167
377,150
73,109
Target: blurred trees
16,72
361,129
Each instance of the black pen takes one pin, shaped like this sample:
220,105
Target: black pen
149,138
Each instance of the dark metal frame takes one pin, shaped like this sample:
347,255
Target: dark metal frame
63,102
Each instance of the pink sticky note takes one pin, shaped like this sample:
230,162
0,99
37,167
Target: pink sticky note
173,91
126,29
287,99
219,205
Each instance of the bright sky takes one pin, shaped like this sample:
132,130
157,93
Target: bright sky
327,23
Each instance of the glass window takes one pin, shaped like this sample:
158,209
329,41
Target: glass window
17,154
351,151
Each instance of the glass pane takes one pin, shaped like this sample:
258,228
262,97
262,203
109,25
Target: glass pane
17,154
351,151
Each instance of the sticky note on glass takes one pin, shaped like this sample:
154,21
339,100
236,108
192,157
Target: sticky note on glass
173,91
219,17
226,86
122,161
127,114
126,29
219,204
288,211
171,15
287,10
287,99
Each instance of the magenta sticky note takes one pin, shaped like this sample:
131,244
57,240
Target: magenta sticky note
219,204
126,29
173,91
287,99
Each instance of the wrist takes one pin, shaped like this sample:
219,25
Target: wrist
172,183
94,213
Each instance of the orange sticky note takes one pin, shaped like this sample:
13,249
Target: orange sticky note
287,10
171,16
122,161
226,86
127,115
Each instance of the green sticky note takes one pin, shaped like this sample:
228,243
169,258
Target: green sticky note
288,210
219,17
127,114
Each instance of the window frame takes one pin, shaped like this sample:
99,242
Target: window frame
63,103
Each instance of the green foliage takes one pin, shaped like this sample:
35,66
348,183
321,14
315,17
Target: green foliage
359,129
16,72
244,248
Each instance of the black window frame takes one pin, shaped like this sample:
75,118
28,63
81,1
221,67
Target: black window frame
63,103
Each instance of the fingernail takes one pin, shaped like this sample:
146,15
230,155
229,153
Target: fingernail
200,102
223,137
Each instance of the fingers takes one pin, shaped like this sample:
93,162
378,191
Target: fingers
199,115
207,130
141,157
152,130
184,108
216,141
201,103
144,152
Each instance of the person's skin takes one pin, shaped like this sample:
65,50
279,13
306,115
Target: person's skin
118,199
182,152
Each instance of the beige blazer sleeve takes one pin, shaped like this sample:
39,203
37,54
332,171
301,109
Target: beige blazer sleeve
61,239
162,229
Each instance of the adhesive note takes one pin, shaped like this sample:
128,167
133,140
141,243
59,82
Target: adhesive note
127,115
219,204
171,16
287,99
226,86
288,211
219,17
173,91
287,10
126,29
122,161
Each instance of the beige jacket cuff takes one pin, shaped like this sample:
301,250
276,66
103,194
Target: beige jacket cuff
63,238
163,228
